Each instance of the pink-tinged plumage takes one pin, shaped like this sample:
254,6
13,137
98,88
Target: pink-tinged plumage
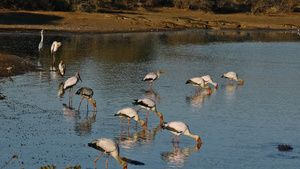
152,76
130,113
232,76
107,146
198,81
71,82
178,128
148,104
208,79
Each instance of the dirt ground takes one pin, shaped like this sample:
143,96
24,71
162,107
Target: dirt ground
130,21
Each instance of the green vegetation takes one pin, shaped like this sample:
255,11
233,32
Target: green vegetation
216,6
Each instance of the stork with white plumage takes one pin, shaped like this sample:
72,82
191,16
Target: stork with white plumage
152,76
71,82
130,113
232,76
178,128
207,79
109,147
148,104
198,81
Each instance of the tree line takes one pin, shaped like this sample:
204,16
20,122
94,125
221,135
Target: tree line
215,6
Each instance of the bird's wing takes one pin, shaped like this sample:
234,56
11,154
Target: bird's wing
150,76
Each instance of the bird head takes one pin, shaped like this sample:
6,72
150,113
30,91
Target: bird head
78,76
58,44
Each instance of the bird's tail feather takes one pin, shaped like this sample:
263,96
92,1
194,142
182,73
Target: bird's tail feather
132,161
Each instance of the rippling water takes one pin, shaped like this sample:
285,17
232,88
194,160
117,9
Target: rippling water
240,125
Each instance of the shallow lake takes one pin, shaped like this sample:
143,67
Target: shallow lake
240,125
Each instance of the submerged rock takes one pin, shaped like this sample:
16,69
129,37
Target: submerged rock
284,147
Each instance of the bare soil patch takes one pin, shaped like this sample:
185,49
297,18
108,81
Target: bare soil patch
129,21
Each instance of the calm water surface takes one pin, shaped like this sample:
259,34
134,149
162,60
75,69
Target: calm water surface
240,126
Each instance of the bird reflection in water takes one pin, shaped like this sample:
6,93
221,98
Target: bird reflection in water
230,90
197,100
177,156
83,126
151,94
144,138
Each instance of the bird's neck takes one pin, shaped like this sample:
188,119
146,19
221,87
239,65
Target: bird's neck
192,136
120,161
42,36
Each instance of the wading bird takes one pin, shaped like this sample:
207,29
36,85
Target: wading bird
71,82
208,79
55,45
152,76
232,76
108,147
198,81
130,113
148,104
87,93
41,44
62,68
178,128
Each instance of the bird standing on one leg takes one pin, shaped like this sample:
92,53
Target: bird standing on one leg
152,76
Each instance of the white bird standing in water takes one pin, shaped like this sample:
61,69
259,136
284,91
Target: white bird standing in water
41,44
109,147
232,76
152,76
148,104
87,93
62,68
208,79
178,128
55,45
71,82
130,113
198,81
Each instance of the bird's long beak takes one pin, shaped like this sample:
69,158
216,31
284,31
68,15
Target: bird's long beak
162,72
199,143
242,82
217,86
58,44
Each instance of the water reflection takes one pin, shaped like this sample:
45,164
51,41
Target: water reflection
177,156
197,100
230,90
151,94
83,126
144,138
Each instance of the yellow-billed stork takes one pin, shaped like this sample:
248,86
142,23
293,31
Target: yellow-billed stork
71,82
87,93
107,146
198,81
178,128
232,76
208,79
130,113
152,76
149,104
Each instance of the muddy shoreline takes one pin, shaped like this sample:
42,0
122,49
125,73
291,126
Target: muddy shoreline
160,19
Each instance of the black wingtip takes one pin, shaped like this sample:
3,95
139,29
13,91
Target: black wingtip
134,162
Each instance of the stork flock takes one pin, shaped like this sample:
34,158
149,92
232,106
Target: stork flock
110,147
